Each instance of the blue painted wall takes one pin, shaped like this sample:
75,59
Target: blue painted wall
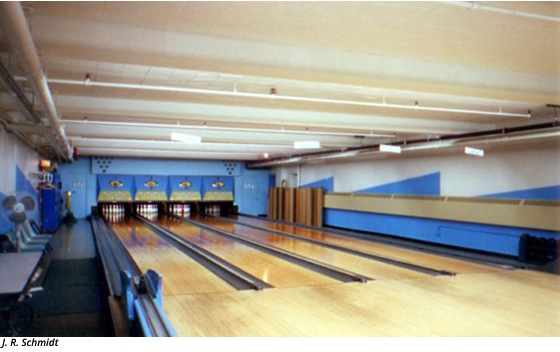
250,200
141,183
327,184
488,238
175,182
208,182
23,188
252,190
428,185
130,166
5,224
505,172
128,184
543,193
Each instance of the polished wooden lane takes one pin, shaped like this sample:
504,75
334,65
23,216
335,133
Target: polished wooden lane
181,274
505,303
385,250
272,270
360,265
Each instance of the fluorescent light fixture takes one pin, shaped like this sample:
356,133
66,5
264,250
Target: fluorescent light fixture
389,148
431,145
474,151
185,138
307,145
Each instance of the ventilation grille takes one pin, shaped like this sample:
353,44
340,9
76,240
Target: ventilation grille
543,203
369,195
434,198
476,200
485,200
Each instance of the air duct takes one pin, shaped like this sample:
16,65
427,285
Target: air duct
14,25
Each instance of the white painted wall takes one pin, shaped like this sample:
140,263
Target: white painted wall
7,160
15,153
504,168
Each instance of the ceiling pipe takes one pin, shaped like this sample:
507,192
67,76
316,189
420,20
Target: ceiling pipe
232,129
542,130
11,84
276,96
474,5
14,25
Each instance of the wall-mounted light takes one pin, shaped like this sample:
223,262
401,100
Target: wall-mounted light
44,164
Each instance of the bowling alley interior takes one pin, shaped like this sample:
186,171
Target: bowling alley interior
279,169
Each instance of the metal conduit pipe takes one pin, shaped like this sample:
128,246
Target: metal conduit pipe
14,25
236,93
542,130
11,84
474,5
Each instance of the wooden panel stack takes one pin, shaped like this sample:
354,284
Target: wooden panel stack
300,205
318,205
273,204
289,204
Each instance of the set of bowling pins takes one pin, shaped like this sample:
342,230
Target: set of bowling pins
146,208
179,209
109,209
212,209
113,212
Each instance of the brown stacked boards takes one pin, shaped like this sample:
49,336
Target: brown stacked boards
299,205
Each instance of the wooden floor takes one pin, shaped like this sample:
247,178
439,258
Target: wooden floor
268,268
507,303
363,266
388,251
479,301
182,275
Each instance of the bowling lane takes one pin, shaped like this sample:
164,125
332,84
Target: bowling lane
385,250
360,265
270,269
181,274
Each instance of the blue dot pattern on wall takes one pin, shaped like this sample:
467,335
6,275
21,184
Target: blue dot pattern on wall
230,166
103,163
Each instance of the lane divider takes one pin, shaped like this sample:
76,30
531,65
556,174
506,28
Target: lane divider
322,268
230,273
378,258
